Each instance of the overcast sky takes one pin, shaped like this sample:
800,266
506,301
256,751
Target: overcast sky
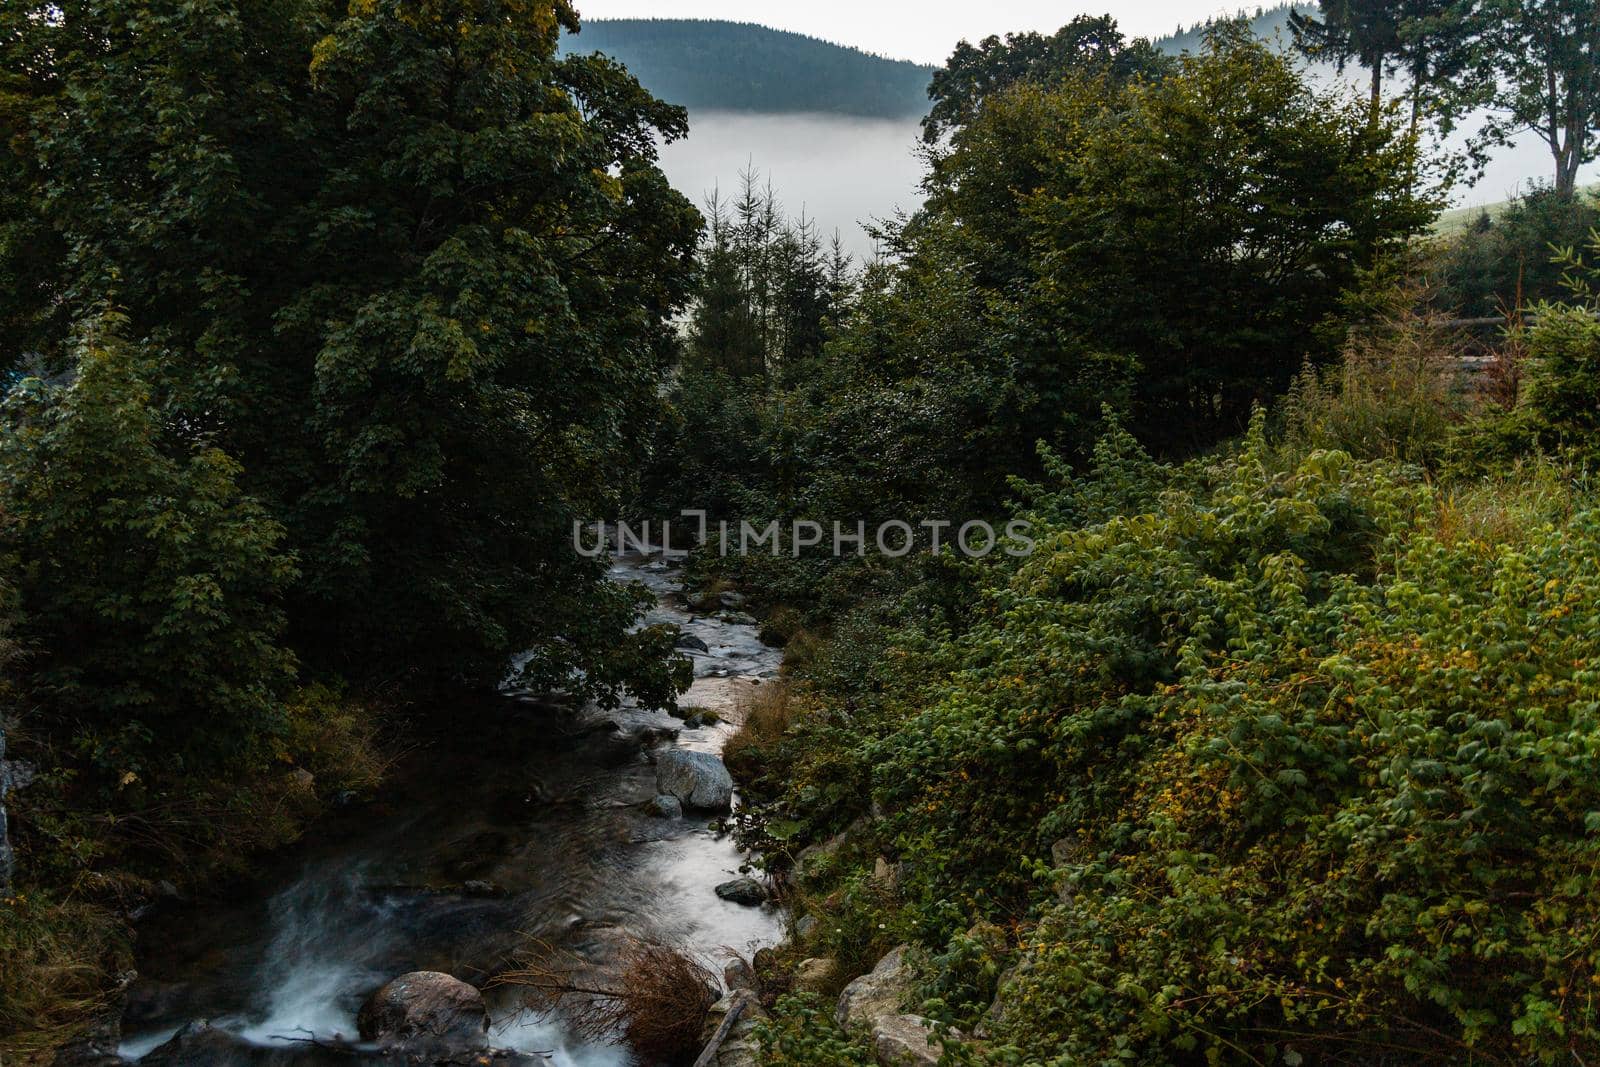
923,30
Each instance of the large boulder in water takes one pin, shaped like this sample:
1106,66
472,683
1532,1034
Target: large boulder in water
697,779
428,1007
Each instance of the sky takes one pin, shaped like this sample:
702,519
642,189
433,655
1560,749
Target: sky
923,30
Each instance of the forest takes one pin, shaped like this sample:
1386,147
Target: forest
327,328
704,64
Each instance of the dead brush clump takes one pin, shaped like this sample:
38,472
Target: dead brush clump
656,997
767,714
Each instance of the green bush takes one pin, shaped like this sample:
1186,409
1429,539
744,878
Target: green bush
1509,261
151,586
1256,759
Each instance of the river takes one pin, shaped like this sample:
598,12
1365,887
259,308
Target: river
507,824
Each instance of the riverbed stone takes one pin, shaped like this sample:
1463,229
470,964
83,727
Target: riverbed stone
427,1006
665,807
905,1041
877,994
14,774
697,779
738,974
7,859
738,1047
816,974
746,891
199,1044
691,643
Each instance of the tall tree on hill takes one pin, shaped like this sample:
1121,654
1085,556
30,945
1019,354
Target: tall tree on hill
1367,32
1539,64
1086,45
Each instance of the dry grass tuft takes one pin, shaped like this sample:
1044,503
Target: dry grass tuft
657,999
768,713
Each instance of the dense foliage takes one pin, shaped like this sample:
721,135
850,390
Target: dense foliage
405,265
705,64
1085,47
1247,759
1511,260
1177,248
320,326
152,585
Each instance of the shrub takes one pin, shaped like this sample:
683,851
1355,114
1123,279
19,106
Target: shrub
335,738
150,583
1396,395
1256,757
1507,262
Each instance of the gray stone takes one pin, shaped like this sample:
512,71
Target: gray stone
804,925
665,807
738,1047
731,599
746,891
882,992
691,643
697,779
905,1041
815,975
427,1006
739,975
14,774
199,1044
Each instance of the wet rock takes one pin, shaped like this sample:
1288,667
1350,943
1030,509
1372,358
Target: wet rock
739,975
905,1041
697,779
737,618
482,889
426,1006
693,722
691,643
875,995
199,1044
665,807
149,1001
14,774
738,1046
746,891
815,975
804,926
731,599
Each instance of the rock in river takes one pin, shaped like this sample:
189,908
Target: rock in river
691,643
746,891
697,779
426,1006
665,807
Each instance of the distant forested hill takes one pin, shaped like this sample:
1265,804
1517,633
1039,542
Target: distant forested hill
736,66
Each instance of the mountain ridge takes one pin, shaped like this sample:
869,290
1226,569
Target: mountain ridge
728,65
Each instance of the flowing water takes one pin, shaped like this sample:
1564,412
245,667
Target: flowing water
510,827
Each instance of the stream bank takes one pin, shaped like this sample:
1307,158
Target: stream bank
521,823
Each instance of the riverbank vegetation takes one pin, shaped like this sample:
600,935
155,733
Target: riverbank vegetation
321,327
1280,744
1276,742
